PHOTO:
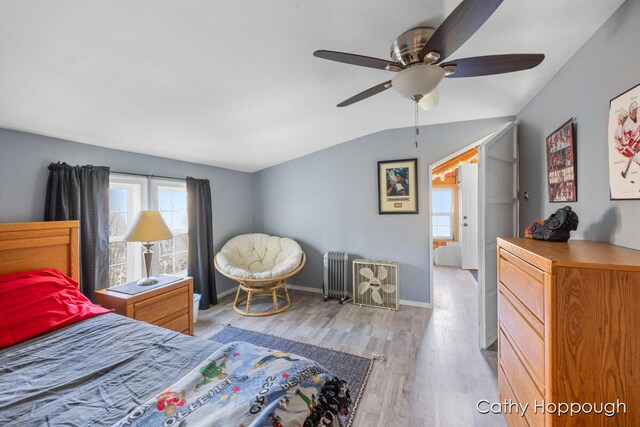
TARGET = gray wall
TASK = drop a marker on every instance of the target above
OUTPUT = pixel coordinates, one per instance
(607, 65)
(328, 201)
(24, 158)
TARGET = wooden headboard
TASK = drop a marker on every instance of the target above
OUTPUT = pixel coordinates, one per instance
(40, 245)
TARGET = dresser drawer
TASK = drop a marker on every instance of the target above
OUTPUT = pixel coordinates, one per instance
(506, 393)
(522, 333)
(178, 322)
(153, 309)
(524, 280)
(517, 375)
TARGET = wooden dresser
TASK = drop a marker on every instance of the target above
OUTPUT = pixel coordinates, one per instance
(569, 323)
(169, 306)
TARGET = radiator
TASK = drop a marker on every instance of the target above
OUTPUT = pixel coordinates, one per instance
(335, 276)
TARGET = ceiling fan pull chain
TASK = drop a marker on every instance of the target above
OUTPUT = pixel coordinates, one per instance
(417, 128)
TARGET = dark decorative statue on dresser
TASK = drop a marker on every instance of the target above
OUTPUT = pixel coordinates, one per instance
(556, 228)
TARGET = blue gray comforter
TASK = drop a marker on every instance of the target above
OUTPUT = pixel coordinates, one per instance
(92, 373)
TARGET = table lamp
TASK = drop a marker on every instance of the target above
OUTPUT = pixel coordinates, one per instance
(148, 227)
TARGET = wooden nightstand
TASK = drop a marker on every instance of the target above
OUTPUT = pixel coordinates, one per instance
(169, 306)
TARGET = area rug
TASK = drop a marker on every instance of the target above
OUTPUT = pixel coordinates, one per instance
(353, 369)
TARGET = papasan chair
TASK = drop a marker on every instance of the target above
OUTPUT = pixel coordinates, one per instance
(260, 264)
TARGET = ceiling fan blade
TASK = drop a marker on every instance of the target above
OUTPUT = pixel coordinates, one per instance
(458, 27)
(366, 94)
(493, 64)
(363, 61)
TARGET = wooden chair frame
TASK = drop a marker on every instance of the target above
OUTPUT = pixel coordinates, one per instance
(261, 288)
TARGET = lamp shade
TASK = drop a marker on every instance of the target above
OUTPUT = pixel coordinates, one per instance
(148, 226)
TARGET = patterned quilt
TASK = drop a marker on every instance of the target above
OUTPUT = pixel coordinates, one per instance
(245, 385)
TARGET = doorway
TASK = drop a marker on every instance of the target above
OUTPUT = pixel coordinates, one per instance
(454, 212)
(473, 199)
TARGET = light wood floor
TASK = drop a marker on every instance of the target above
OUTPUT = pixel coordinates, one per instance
(434, 373)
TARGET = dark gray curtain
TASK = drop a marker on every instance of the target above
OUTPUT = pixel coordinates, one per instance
(200, 265)
(82, 193)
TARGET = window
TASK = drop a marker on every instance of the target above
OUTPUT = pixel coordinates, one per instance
(442, 213)
(170, 198)
(127, 196)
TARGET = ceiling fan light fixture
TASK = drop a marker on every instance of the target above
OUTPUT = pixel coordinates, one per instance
(430, 100)
(418, 80)
(415, 52)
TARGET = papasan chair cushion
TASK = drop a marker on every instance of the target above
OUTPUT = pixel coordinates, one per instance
(259, 256)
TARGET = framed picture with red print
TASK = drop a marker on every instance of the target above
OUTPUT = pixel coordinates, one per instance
(561, 164)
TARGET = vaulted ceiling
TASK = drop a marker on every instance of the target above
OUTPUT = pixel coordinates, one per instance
(234, 83)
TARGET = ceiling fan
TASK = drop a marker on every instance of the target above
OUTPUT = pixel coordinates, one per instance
(417, 55)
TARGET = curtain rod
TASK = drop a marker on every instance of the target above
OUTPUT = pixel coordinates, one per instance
(149, 175)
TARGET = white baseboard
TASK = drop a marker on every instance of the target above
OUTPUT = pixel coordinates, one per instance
(416, 303)
(319, 291)
(305, 288)
(402, 301)
(227, 292)
(295, 287)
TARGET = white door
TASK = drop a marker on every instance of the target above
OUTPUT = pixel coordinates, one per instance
(468, 221)
(498, 217)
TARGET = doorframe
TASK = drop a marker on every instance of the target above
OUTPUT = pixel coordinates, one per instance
(485, 341)
(429, 215)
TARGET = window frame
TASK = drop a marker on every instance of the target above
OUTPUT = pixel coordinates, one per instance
(138, 200)
(143, 195)
(155, 184)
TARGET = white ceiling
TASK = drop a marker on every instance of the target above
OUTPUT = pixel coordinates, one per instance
(234, 83)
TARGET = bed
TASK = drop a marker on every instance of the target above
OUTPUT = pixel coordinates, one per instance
(111, 370)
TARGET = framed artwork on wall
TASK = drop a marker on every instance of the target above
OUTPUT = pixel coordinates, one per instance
(561, 164)
(398, 186)
(623, 146)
